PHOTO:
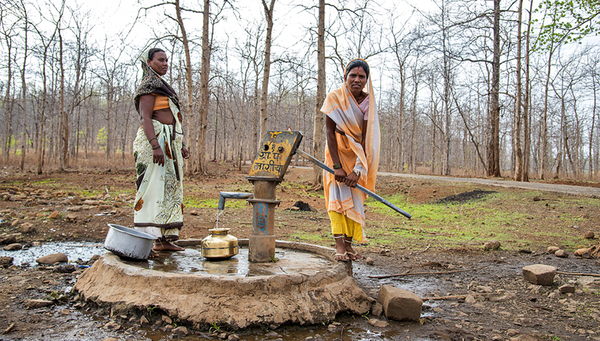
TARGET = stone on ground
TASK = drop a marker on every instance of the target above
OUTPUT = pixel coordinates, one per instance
(491, 245)
(400, 304)
(54, 215)
(27, 228)
(8, 239)
(37, 303)
(376, 309)
(53, 258)
(13, 247)
(5, 262)
(589, 235)
(552, 249)
(583, 253)
(567, 288)
(180, 331)
(539, 274)
(378, 323)
(470, 299)
(561, 254)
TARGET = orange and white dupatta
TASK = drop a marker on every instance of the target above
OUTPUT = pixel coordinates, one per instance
(343, 109)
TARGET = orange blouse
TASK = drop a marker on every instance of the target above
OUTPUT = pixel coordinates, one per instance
(161, 102)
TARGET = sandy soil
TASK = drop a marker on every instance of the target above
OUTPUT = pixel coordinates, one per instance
(505, 306)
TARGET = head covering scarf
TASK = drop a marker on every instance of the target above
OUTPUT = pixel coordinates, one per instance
(343, 109)
(336, 106)
(152, 83)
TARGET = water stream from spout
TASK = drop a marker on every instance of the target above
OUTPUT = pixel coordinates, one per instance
(219, 212)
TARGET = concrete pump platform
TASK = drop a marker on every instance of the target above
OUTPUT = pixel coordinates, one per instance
(304, 286)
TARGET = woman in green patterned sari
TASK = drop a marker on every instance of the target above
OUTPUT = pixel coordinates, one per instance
(159, 152)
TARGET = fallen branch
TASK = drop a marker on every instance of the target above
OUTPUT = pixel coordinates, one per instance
(427, 248)
(7, 330)
(407, 273)
(457, 297)
(577, 274)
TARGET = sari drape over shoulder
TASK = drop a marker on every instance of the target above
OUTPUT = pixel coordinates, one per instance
(343, 109)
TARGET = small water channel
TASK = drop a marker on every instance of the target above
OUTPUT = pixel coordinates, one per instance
(73, 250)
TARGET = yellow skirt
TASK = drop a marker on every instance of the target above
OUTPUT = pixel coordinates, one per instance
(340, 224)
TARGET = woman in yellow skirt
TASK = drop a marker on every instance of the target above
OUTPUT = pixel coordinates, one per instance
(353, 152)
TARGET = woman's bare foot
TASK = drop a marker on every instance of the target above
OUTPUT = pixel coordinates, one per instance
(341, 257)
(340, 251)
(152, 255)
(353, 255)
(166, 246)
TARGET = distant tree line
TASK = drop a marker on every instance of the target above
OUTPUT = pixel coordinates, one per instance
(478, 88)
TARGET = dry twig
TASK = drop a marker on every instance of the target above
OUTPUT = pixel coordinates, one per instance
(577, 274)
(457, 297)
(406, 273)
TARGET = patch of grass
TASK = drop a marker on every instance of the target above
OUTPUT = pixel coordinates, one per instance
(47, 181)
(309, 237)
(503, 216)
(86, 193)
(190, 201)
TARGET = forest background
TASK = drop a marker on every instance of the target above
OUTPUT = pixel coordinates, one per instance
(463, 87)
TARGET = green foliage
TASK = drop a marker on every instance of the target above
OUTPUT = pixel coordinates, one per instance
(102, 137)
(214, 328)
(567, 21)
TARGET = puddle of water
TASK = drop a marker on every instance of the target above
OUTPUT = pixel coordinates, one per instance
(191, 261)
(73, 250)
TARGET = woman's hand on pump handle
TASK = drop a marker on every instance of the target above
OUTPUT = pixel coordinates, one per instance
(349, 180)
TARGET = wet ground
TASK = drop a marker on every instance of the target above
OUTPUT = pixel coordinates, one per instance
(505, 307)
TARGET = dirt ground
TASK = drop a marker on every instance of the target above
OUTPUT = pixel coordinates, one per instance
(472, 294)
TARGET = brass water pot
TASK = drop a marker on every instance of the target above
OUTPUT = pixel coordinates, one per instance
(219, 245)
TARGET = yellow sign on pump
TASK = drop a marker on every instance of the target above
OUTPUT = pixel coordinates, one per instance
(275, 154)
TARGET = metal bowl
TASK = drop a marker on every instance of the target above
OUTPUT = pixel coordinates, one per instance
(127, 242)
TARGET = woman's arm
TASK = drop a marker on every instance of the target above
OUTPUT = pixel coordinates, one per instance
(364, 135)
(146, 109)
(340, 174)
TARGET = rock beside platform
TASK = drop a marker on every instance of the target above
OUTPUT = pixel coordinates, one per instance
(399, 304)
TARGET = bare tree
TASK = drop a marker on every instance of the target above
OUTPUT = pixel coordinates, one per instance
(319, 121)
(494, 144)
(268, 10)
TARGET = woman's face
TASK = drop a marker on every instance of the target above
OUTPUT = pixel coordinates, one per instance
(356, 79)
(159, 63)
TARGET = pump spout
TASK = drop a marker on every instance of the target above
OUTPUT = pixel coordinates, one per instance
(232, 195)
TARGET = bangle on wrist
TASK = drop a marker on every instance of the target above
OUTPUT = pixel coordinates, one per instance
(156, 147)
(337, 165)
(154, 138)
(357, 172)
(183, 144)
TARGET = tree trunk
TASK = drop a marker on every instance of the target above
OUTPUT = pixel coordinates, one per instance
(189, 111)
(518, 174)
(63, 131)
(494, 144)
(319, 121)
(24, 91)
(204, 95)
(265, 83)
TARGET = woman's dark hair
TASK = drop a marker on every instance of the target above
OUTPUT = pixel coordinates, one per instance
(357, 63)
(152, 51)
